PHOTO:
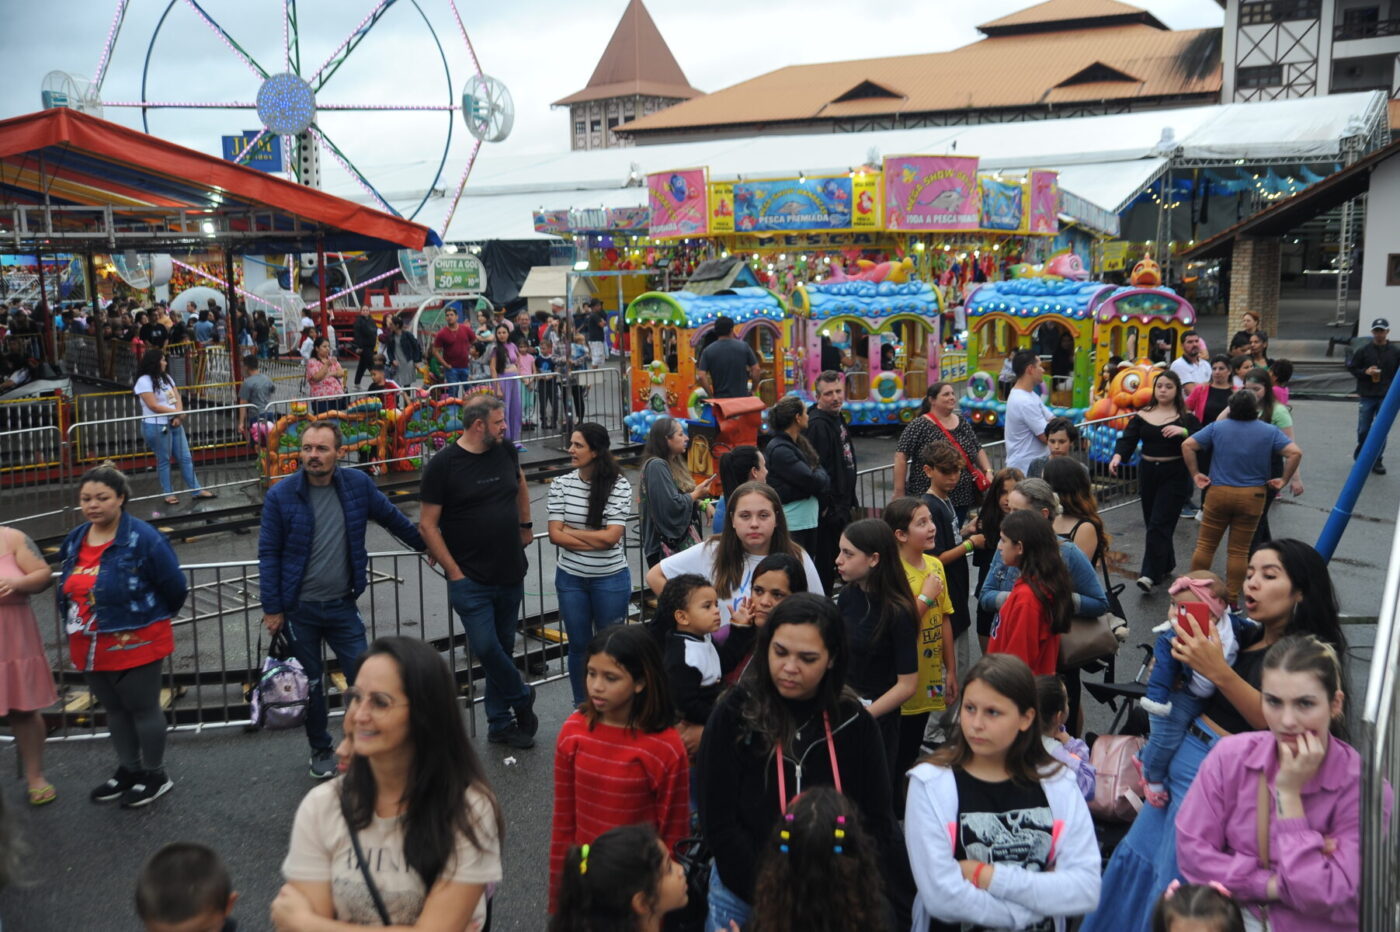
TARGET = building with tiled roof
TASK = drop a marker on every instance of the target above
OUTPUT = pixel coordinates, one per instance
(636, 76)
(1060, 58)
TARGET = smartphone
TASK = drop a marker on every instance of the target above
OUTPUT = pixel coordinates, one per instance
(1193, 617)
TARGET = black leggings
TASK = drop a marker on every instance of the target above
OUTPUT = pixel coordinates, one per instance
(132, 700)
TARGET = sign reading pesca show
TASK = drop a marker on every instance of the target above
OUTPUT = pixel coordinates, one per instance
(266, 156)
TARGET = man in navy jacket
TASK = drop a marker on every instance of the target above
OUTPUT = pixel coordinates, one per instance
(312, 564)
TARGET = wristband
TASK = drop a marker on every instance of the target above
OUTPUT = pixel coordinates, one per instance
(977, 874)
(527, 524)
(925, 599)
(967, 545)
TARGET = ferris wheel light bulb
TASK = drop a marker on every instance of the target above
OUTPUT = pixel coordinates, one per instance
(286, 104)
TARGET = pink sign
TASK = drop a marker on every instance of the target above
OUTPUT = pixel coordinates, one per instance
(931, 192)
(1045, 202)
(551, 221)
(678, 203)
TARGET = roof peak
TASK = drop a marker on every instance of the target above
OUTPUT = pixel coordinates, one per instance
(1061, 15)
(638, 58)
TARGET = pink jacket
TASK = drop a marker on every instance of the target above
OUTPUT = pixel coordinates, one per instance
(1216, 834)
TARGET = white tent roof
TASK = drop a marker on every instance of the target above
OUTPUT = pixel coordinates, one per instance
(1104, 160)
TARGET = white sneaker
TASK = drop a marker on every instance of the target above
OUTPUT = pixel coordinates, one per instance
(1200, 514)
(1145, 583)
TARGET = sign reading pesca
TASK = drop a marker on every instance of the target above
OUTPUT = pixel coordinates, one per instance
(266, 156)
(462, 274)
(841, 202)
(931, 192)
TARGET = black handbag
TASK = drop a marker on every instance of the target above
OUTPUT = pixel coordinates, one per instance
(694, 856)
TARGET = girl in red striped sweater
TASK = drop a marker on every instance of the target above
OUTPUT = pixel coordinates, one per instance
(1041, 603)
(618, 760)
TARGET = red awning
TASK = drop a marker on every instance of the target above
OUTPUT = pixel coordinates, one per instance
(161, 195)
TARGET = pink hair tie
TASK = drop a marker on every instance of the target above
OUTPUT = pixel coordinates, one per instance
(1215, 885)
(1203, 591)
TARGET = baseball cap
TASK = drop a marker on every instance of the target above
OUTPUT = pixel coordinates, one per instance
(556, 302)
(1380, 323)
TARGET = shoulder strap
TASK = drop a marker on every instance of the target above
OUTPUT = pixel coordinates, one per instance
(364, 870)
(1261, 820)
(956, 446)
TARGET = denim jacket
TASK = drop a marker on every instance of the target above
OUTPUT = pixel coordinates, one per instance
(139, 580)
(1089, 598)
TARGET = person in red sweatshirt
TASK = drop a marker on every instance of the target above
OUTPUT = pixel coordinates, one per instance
(1041, 604)
(618, 760)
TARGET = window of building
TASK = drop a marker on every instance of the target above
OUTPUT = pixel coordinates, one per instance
(580, 128)
(1277, 11)
(629, 110)
(612, 123)
(1260, 76)
(596, 126)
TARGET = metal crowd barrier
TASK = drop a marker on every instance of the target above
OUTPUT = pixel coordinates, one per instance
(220, 641)
(1379, 744)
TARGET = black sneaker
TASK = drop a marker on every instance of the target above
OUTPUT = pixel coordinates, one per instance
(525, 718)
(117, 784)
(1379, 468)
(150, 785)
(512, 736)
(323, 763)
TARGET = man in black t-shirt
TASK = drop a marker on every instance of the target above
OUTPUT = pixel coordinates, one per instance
(475, 520)
(727, 364)
(594, 333)
(826, 429)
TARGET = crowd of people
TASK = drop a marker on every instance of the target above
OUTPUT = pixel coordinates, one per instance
(803, 714)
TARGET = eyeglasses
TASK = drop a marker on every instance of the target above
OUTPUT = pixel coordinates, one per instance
(378, 702)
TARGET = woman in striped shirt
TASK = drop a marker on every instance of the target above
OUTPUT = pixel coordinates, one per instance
(587, 517)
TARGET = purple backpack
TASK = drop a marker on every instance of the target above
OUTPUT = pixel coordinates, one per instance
(282, 690)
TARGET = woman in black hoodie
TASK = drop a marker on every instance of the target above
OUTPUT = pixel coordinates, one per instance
(794, 471)
(788, 725)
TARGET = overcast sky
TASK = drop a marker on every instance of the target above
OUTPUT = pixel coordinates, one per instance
(542, 49)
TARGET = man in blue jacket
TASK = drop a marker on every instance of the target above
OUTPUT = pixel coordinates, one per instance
(312, 564)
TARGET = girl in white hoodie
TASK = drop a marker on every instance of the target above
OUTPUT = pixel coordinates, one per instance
(998, 833)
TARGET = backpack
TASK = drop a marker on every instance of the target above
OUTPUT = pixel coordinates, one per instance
(1117, 786)
(282, 691)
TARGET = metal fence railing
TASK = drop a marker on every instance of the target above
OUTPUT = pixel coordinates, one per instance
(1379, 745)
(219, 636)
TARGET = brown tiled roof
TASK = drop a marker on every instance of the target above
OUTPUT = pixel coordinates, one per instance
(1003, 72)
(636, 61)
(1061, 14)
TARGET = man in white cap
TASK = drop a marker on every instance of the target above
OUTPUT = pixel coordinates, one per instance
(1374, 366)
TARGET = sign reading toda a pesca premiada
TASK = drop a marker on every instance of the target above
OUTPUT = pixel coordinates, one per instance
(678, 202)
(463, 274)
(931, 192)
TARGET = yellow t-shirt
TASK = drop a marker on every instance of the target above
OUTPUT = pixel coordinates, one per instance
(928, 694)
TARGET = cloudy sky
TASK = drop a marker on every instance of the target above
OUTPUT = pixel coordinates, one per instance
(542, 49)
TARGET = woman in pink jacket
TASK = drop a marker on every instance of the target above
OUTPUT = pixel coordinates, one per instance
(1297, 785)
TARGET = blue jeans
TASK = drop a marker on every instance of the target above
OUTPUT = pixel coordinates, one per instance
(450, 375)
(589, 604)
(1166, 735)
(724, 905)
(338, 624)
(1365, 414)
(490, 616)
(164, 442)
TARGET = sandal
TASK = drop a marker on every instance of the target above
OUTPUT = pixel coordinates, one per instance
(205, 494)
(172, 500)
(42, 795)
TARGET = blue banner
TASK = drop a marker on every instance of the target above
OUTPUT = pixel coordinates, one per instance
(793, 204)
(1002, 205)
(265, 156)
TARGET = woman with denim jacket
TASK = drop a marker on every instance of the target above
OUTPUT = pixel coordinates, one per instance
(119, 585)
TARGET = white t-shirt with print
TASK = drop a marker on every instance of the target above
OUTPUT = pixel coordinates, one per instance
(321, 852)
(701, 561)
(165, 395)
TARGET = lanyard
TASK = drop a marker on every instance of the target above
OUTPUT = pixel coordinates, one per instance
(830, 750)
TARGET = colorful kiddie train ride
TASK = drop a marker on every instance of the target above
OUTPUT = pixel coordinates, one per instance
(668, 332)
(1141, 322)
(879, 308)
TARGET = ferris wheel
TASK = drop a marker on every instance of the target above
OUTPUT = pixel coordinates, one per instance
(290, 98)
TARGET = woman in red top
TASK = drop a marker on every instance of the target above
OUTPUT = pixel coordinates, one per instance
(618, 760)
(119, 585)
(1040, 605)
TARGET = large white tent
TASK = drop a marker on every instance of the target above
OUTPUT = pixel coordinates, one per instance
(1104, 161)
